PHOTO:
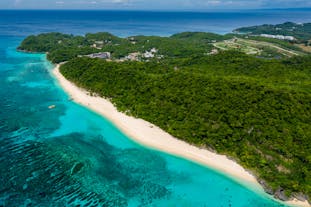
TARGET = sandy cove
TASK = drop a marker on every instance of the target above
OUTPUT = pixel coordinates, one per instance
(153, 137)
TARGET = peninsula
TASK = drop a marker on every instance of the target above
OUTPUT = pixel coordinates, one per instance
(243, 96)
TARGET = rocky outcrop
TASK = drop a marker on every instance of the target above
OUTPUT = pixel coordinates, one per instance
(280, 193)
(300, 197)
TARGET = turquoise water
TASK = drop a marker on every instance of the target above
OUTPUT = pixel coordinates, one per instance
(70, 156)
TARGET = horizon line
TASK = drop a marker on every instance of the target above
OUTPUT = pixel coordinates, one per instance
(156, 10)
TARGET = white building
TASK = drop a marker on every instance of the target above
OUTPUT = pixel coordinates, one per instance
(280, 37)
(151, 53)
(101, 55)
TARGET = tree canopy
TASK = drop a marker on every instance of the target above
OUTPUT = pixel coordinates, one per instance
(253, 108)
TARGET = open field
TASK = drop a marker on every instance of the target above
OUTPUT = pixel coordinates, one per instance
(252, 47)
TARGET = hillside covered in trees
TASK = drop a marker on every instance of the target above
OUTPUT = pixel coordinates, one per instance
(62, 47)
(251, 108)
(302, 32)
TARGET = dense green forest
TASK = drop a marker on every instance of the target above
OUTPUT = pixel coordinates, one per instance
(256, 110)
(62, 47)
(302, 32)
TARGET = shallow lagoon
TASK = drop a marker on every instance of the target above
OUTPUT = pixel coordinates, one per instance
(69, 155)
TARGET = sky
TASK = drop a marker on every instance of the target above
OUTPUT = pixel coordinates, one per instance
(153, 4)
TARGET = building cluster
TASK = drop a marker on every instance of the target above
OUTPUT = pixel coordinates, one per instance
(100, 44)
(213, 52)
(101, 55)
(150, 54)
(280, 37)
(132, 40)
(135, 56)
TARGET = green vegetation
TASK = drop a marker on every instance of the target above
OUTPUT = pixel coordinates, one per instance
(62, 47)
(201, 37)
(302, 32)
(259, 48)
(255, 110)
(280, 43)
(234, 44)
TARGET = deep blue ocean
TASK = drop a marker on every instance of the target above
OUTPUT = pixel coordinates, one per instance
(70, 156)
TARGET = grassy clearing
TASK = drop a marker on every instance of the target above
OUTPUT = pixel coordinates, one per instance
(252, 47)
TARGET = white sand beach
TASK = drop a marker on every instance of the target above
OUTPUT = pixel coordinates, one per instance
(152, 136)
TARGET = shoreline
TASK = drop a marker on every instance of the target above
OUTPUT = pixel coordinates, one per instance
(153, 137)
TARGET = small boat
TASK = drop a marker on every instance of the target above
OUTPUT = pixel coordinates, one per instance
(52, 107)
